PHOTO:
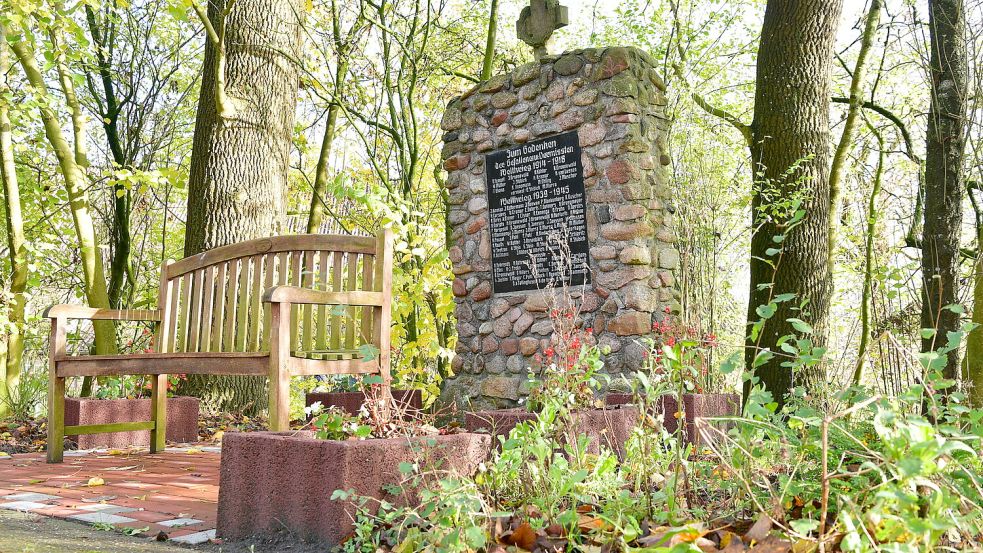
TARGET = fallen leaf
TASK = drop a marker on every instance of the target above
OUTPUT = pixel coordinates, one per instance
(523, 536)
(705, 545)
(771, 544)
(589, 522)
(727, 537)
(193, 450)
(735, 547)
(36, 480)
(688, 534)
(658, 537)
(804, 546)
(759, 530)
(95, 481)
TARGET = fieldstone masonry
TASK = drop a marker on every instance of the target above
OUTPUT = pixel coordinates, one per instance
(615, 100)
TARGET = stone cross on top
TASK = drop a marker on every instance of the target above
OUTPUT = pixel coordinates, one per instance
(537, 22)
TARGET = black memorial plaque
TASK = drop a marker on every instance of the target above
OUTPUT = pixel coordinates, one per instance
(535, 190)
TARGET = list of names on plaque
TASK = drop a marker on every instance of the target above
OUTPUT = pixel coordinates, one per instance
(536, 195)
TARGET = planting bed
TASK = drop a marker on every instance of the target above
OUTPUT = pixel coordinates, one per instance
(283, 481)
(182, 420)
(696, 407)
(351, 402)
(610, 427)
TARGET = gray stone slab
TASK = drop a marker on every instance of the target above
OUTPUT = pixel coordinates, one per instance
(177, 522)
(31, 496)
(196, 538)
(77, 453)
(105, 508)
(99, 517)
(23, 505)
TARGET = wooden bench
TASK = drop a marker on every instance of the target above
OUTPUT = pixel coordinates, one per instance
(275, 307)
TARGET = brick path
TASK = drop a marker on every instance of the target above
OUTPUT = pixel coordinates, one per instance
(175, 492)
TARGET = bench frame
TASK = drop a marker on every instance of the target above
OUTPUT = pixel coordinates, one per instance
(278, 363)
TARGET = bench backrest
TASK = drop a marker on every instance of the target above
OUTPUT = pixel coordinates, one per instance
(212, 302)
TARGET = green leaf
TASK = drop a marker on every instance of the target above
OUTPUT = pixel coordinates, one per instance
(732, 363)
(476, 537)
(800, 326)
(804, 525)
(956, 308)
(766, 311)
(368, 351)
(372, 379)
(927, 333)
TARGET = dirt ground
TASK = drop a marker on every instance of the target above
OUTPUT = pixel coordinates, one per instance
(27, 533)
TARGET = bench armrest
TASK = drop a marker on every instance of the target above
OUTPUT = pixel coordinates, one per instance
(296, 294)
(66, 311)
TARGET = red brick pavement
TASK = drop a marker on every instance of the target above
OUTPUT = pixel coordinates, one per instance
(175, 492)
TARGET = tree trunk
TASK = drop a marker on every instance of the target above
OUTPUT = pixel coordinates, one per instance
(239, 163)
(75, 183)
(343, 47)
(838, 165)
(868, 284)
(120, 267)
(945, 141)
(790, 154)
(974, 343)
(14, 344)
(487, 63)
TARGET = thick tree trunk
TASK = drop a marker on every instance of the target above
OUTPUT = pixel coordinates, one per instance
(791, 130)
(239, 163)
(944, 145)
(14, 343)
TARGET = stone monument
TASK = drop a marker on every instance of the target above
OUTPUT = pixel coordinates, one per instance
(574, 144)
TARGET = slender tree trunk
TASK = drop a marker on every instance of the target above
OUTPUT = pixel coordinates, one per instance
(865, 297)
(791, 129)
(945, 143)
(486, 66)
(75, 183)
(343, 47)
(838, 165)
(974, 343)
(316, 215)
(120, 267)
(14, 345)
(239, 162)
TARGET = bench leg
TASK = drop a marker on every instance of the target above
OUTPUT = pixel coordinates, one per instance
(158, 413)
(56, 417)
(280, 402)
(279, 368)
